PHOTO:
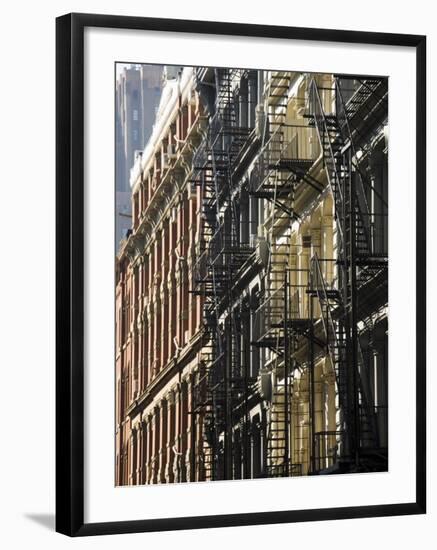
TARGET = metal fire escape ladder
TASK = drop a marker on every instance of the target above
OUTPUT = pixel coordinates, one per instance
(330, 305)
(332, 312)
(370, 97)
(363, 213)
(282, 166)
(278, 454)
(329, 301)
(330, 143)
(275, 185)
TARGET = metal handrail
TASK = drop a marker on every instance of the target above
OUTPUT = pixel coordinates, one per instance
(320, 118)
(316, 263)
(349, 132)
(361, 195)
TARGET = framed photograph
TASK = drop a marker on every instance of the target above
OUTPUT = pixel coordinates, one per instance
(240, 274)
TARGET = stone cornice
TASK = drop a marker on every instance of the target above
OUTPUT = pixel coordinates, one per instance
(171, 370)
(171, 185)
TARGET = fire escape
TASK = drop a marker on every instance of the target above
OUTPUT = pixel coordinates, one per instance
(330, 318)
(362, 262)
(284, 165)
(222, 383)
(299, 309)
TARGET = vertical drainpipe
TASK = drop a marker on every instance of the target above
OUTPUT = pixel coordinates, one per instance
(180, 456)
(286, 379)
(252, 97)
(353, 318)
(228, 410)
(180, 343)
(312, 404)
(260, 85)
(193, 433)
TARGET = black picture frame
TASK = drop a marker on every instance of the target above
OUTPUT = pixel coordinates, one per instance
(70, 273)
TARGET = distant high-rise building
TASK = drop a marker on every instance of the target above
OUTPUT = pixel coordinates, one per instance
(138, 91)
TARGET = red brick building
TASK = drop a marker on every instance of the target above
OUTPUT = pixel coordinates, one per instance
(157, 318)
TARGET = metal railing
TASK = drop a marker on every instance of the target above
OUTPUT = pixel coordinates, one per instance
(269, 317)
(334, 174)
(326, 448)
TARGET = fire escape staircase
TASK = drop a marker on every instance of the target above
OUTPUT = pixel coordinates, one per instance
(332, 312)
(366, 110)
(220, 258)
(275, 334)
(358, 261)
(351, 206)
(280, 169)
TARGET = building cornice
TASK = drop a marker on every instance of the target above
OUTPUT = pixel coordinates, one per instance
(173, 368)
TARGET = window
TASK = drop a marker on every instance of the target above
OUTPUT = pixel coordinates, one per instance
(135, 114)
